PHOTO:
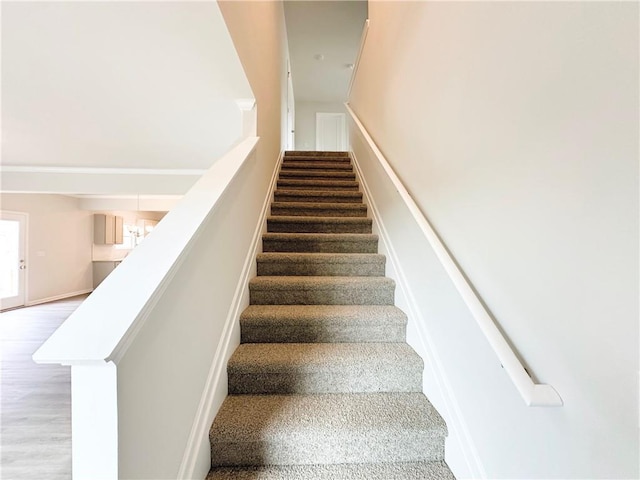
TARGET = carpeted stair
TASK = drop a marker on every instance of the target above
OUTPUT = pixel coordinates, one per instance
(323, 385)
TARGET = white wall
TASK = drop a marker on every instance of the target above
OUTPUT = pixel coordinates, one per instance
(59, 238)
(306, 121)
(514, 126)
(258, 33)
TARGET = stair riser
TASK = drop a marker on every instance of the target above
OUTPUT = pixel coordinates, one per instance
(320, 269)
(320, 175)
(361, 295)
(396, 379)
(314, 154)
(319, 166)
(318, 185)
(349, 210)
(370, 447)
(335, 162)
(275, 226)
(310, 197)
(360, 471)
(320, 246)
(321, 333)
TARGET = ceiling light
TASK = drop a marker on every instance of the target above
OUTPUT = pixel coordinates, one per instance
(318, 56)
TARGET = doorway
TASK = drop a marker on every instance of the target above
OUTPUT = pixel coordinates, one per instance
(13, 262)
(330, 132)
(291, 116)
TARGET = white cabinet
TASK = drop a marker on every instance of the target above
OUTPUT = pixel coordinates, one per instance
(107, 229)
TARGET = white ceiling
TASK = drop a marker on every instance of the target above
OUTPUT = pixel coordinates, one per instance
(329, 28)
(140, 97)
(120, 85)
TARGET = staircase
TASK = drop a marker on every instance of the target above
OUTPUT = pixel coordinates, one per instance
(323, 385)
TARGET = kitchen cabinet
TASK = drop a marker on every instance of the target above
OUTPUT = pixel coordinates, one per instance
(107, 229)
(118, 236)
(101, 269)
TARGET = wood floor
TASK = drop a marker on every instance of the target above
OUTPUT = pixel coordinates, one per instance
(35, 419)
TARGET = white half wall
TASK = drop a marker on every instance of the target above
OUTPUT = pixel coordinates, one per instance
(514, 127)
(59, 239)
(306, 121)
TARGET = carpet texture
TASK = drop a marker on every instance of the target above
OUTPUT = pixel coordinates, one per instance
(324, 385)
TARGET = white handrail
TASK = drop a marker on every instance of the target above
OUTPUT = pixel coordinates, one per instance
(534, 394)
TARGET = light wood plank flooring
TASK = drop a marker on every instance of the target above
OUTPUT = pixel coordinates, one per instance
(35, 419)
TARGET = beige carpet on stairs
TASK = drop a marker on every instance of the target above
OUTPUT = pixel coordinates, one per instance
(324, 385)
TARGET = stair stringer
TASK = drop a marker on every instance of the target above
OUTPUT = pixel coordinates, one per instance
(459, 438)
(216, 386)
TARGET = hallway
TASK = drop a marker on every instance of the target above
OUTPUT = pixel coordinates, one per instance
(36, 399)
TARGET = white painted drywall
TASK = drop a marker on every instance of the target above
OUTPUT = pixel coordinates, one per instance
(514, 126)
(118, 84)
(60, 235)
(259, 36)
(306, 121)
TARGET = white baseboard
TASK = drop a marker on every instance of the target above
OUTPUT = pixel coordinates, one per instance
(206, 409)
(58, 297)
(452, 413)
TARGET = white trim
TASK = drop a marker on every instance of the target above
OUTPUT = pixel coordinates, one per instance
(202, 421)
(452, 413)
(58, 297)
(104, 170)
(533, 394)
(356, 65)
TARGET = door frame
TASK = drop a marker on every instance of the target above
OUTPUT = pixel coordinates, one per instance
(291, 111)
(21, 299)
(343, 123)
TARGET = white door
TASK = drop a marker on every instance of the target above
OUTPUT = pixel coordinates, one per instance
(13, 263)
(291, 112)
(330, 132)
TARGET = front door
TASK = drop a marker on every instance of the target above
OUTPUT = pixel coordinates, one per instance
(13, 262)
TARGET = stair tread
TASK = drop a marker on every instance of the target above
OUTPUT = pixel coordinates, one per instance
(314, 219)
(252, 418)
(324, 174)
(285, 282)
(322, 324)
(320, 206)
(318, 224)
(319, 193)
(368, 471)
(317, 183)
(327, 237)
(264, 358)
(313, 314)
(317, 165)
(305, 257)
